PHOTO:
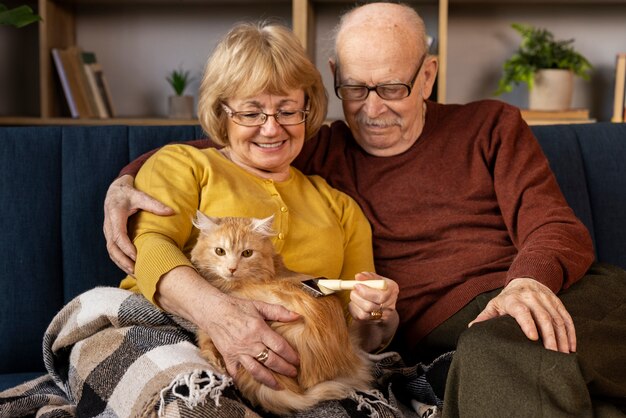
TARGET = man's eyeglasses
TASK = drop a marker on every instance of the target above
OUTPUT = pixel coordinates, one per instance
(251, 118)
(386, 91)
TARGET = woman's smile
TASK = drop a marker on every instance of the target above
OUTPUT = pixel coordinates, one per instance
(270, 145)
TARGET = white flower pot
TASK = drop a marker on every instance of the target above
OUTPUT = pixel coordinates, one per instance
(552, 90)
(180, 107)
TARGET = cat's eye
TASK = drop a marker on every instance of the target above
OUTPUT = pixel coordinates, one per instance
(220, 251)
(246, 253)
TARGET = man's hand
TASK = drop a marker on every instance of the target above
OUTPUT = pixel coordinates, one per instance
(122, 201)
(537, 310)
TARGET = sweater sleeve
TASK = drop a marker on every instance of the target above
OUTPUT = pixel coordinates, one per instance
(554, 247)
(358, 250)
(171, 175)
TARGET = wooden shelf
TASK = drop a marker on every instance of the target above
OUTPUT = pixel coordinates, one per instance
(58, 30)
(532, 122)
(25, 121)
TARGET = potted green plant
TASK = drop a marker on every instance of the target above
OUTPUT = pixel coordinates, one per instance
(180, 105)
(19, 16)
(543, 63)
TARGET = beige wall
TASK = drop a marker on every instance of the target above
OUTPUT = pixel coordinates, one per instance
(138, 45)
(137, 48)
(480, 39)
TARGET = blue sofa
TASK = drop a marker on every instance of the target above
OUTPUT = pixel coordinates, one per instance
(55, 178)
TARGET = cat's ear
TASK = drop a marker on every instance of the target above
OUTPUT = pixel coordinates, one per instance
(263, 226)
(203, 222)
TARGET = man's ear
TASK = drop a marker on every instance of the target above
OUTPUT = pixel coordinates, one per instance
(331, 64)
(430, 74)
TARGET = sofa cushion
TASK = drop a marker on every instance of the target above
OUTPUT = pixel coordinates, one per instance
(603, 148)
(561, 147)
(91, 158)
(588, 161)
(52, 193)
(9, 380)
(31, 272)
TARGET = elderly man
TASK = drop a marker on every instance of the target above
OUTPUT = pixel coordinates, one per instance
(469, 220)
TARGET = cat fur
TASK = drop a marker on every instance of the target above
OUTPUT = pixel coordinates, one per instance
(331, 363)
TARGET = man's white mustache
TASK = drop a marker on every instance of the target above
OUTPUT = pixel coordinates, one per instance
(379, 123)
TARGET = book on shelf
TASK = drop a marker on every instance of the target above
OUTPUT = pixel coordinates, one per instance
(103, 88)
(75, 54)
(83, 83)
(619, 104)
(556, 117)
(69, 82)
(98, 100)
(555, 114)
(531, 122)
(98, 84)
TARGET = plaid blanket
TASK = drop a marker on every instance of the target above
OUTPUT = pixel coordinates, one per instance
(111, 353)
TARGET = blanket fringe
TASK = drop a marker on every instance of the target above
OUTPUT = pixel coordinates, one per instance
(363, 402)
(193, 388)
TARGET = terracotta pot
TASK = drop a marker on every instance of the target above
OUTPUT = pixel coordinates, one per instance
(552, 90)
(180, 107)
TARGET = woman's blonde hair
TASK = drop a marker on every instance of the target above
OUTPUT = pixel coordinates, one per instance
(254, 59)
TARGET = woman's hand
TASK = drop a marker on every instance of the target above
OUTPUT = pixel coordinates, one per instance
(241, 335)
(374, 311)
(123, 200)
(236, 326)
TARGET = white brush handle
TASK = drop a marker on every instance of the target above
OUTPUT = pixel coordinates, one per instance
(349, 284)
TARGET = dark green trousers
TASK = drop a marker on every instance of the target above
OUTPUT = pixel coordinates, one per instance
(498, 372)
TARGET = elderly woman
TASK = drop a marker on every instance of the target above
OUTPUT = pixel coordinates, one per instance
(260, 98)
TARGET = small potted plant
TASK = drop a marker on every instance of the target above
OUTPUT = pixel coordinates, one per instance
(547, 66)
(180, 105)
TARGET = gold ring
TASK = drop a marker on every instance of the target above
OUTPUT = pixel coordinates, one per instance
(263, 356)
(376, 315)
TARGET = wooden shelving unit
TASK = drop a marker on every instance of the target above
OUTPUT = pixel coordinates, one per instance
(58, 30)
(442, 51)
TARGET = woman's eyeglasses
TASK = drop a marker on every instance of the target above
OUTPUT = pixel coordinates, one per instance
(251, 118)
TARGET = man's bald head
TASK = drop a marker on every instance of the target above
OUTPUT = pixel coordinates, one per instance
(381, 25)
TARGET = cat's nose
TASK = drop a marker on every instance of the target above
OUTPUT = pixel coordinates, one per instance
(232, 270)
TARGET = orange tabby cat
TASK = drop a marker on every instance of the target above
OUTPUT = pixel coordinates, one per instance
(237, 256)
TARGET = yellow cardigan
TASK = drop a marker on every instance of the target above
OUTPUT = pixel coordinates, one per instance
(321, 231)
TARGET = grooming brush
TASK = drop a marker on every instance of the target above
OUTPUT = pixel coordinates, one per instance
(321, 286)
